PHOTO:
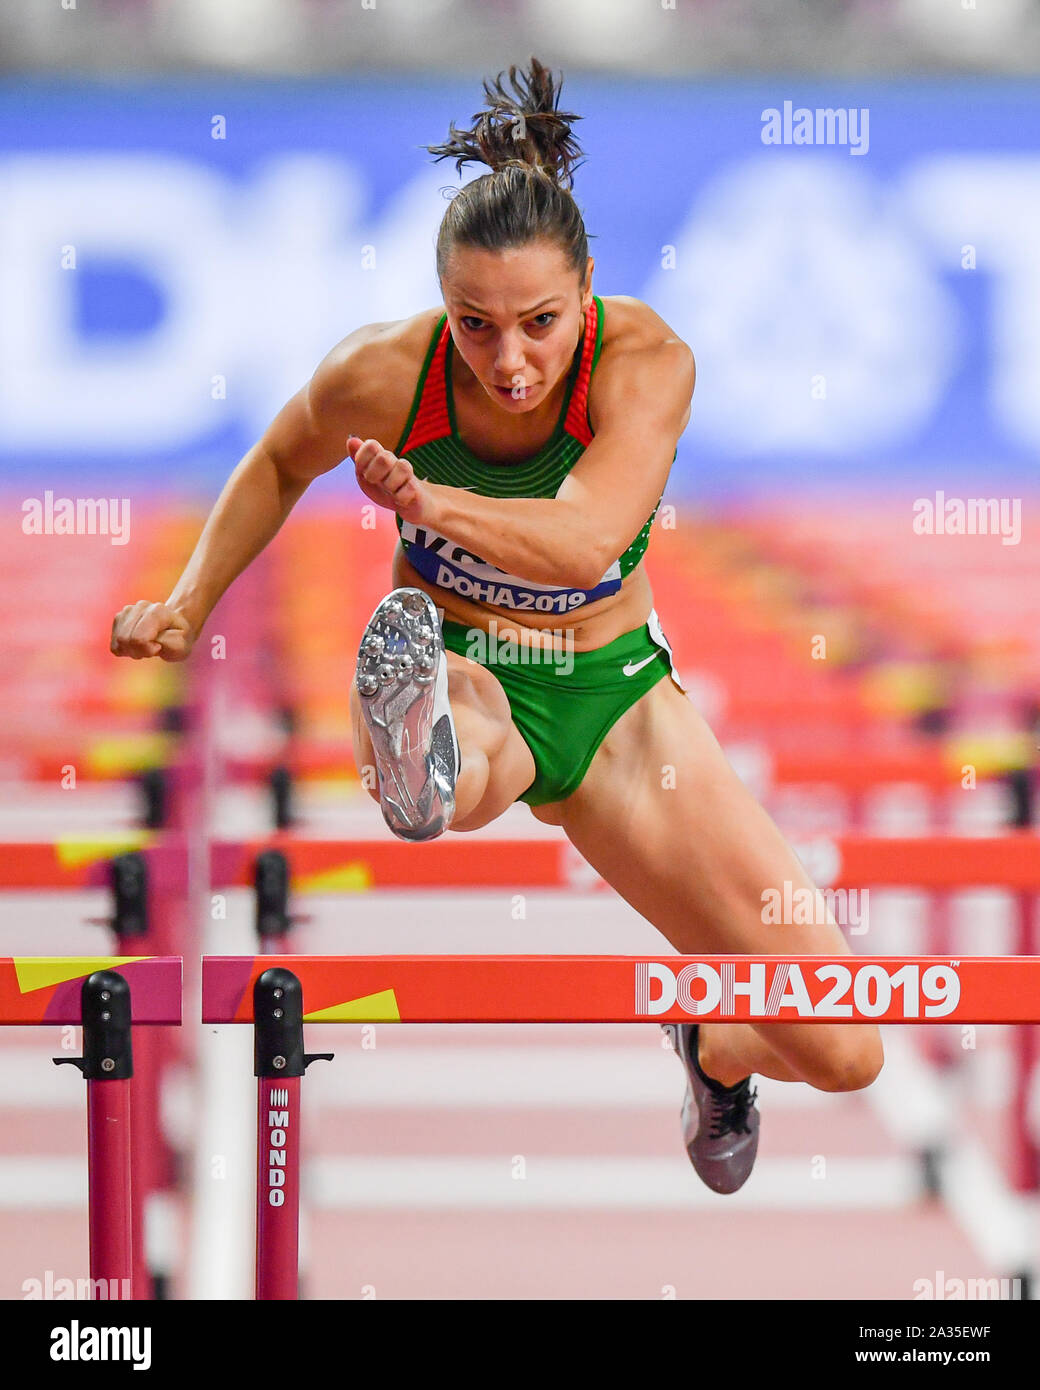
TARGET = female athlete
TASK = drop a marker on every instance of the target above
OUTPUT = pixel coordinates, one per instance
(523, 434)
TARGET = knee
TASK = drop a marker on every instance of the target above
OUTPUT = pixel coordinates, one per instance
(850, 1068)
(469, 683)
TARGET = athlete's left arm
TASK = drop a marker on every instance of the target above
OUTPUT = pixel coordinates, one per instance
(641, 407)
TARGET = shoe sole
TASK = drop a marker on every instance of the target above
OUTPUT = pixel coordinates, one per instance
(402, 684)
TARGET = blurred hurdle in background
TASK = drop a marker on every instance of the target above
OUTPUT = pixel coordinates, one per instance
(837, 682)
(98, 770)
(109, 998)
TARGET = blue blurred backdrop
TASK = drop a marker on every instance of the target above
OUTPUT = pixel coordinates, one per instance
(176, 258)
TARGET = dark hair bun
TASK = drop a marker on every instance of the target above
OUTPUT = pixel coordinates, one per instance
(523, 129)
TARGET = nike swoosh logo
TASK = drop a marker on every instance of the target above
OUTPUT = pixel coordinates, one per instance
(629, 670)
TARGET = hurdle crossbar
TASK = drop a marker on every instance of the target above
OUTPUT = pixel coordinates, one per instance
(46, 989)
(1010, 861)
(637, 989)
(83, 861)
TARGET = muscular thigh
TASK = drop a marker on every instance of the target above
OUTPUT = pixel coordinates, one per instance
(662, 816)
(479, 705)
(485, 728)
(665, 820)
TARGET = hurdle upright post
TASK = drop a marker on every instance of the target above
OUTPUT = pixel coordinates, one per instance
(279, 1063)
(130, 925)
(273, 921)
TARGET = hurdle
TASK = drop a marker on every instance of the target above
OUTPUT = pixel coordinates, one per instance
(855, 773)
(939, 863)
(108, 997)
(145, 872)
(277, 995)
(1010, 861)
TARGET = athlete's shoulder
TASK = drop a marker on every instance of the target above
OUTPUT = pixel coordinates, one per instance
(642, 358)
(371, 374)
(630, 325)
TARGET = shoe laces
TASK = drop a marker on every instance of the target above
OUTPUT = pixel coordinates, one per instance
(729, 1111)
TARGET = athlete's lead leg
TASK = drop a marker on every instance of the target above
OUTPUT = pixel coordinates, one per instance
(435, 727)
(402, 682)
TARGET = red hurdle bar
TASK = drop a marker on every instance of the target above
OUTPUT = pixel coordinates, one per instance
(1010, 861)
(83, 861)
(89, 992)
(47, 989)
(636, 989)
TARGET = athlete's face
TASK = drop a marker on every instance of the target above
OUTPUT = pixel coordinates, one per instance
(516, 317)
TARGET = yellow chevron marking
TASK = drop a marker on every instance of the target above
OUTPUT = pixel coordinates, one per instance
(131, 753)
(76, 850)
(355, 877)
(370, 1008)
(992, 753)
(38, 972)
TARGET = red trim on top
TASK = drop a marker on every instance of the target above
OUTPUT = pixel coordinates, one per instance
(431, 419)
(577, 421)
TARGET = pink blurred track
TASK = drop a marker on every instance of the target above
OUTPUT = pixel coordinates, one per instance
(409, 1181)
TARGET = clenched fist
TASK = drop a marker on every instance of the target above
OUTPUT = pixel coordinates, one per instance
(151, 629)
(389, 481)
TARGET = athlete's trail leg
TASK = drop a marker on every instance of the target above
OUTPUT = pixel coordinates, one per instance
(664, 818)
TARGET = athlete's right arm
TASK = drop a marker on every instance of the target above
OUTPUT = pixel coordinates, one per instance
(307, 438)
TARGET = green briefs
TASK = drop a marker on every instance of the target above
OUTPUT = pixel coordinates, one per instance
(565, 703)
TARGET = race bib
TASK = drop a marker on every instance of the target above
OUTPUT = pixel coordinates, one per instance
(451, 566)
